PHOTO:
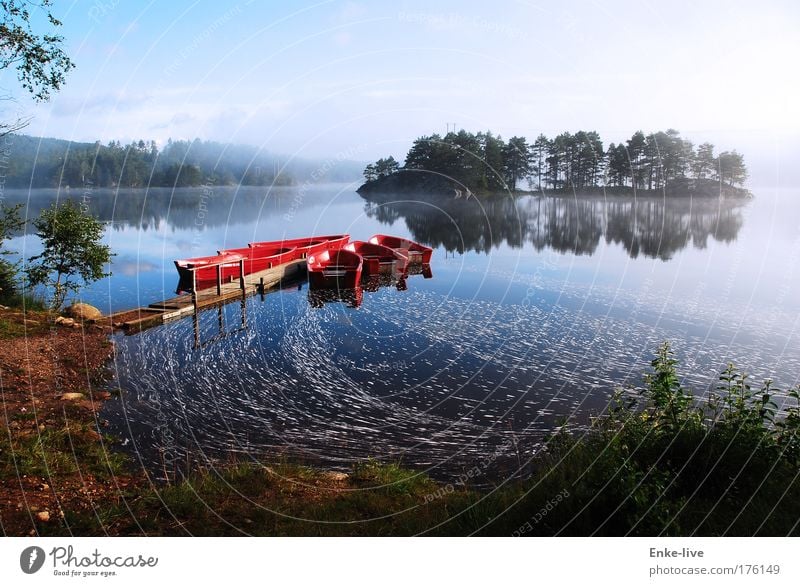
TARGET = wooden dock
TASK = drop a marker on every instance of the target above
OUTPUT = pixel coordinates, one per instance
(190, 303)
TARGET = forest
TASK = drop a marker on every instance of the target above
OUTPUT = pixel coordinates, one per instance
(32, 162)
(485, 163)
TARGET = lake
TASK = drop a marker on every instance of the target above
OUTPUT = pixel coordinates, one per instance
(536, 310)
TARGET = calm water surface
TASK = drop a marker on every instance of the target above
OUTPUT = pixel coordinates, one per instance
(537, 309)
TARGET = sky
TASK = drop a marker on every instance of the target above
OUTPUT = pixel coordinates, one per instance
(360, 80)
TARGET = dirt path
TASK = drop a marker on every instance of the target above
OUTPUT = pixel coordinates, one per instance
(52, 451)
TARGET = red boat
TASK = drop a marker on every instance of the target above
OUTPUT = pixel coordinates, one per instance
(205, 267)
(305, 247)
(261, 258)
(416, 252)
(334, 268)
(377, 258)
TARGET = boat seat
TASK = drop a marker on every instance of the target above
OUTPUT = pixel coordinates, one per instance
(335, 271)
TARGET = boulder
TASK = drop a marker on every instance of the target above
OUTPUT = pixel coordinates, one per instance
(72, 396)
(83, 311)
(67, 322)
(337, 476)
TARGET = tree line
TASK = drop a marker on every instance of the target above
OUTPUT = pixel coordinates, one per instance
(47, 162)
(484, 162)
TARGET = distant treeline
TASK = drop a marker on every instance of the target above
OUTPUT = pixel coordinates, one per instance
(47, 162)
(483, 162)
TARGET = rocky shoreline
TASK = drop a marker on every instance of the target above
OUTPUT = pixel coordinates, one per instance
(52, 370)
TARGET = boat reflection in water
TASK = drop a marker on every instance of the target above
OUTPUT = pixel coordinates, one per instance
(317, 298)
(354, 297)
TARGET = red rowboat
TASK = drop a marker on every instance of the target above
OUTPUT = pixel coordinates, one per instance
(334, 268)
(205, 267)
(305, 247)
(416, 252)
(377, 258)
(261, 258)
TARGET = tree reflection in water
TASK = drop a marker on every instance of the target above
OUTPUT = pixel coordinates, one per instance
(651, 227)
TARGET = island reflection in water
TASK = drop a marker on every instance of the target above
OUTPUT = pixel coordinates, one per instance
(651, 227)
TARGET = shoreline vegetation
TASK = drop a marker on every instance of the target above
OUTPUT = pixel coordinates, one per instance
(658, 461)
(464, 164)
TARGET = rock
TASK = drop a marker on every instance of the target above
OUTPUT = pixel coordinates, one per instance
(72, 396)
(67, 322)
(83, 311)
(337, 476)
(101, 395)
(43, 516)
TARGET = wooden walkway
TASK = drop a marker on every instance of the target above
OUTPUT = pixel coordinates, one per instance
(187, 304)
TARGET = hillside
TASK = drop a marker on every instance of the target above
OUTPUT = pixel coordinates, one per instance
(34, 162)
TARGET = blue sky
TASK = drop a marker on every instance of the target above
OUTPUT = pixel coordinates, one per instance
(363, 79)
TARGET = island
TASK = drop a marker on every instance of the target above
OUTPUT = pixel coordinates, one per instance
(464, 164)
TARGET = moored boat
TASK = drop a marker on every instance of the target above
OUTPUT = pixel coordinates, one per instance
(305, 247)
(416, 252)
(261, 258)
(334, 268)
(205, 267)
(378, 258)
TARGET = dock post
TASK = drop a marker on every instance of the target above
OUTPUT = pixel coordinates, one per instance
(194, 288)
(241, 274)
(196, 324)
(219, 280)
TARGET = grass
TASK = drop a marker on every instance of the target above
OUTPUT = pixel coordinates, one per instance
(10, 329)
(58, 452)
(22, 323)
(27, 301)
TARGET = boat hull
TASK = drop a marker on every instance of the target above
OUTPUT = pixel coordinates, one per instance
(416, 252)
(334, 269)
(378, 259)
(205, 268)
(262, 258)
(305, 247)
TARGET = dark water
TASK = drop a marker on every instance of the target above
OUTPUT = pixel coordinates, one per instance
(537, 309)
